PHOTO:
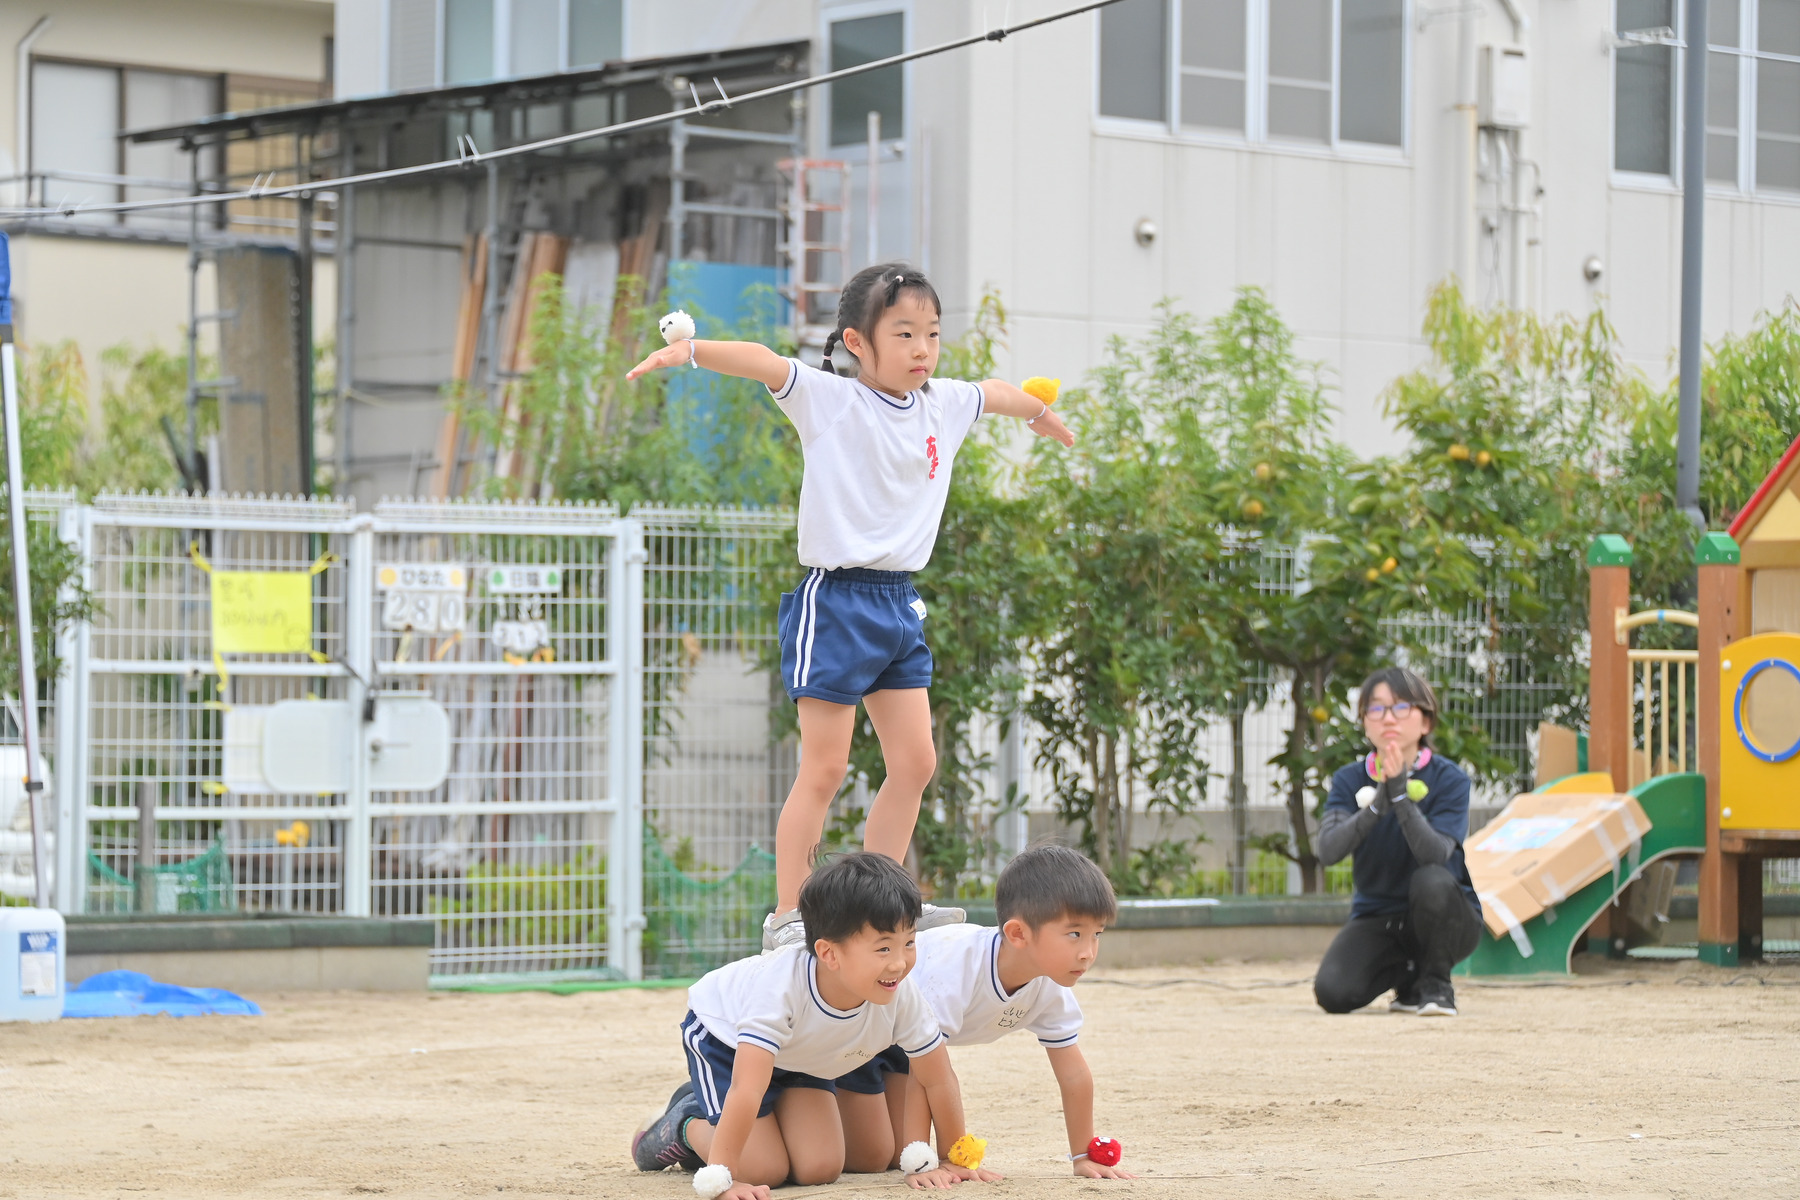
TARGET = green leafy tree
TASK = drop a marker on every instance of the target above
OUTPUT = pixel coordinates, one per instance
(1122, 617)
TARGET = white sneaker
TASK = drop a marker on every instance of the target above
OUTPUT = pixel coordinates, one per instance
(931, 916)
(781, 930)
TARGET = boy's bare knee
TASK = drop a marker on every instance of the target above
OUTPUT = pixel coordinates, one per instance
(812, 1174)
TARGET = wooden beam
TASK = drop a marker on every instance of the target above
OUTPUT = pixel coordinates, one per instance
(1609, 678)
(1716, 560)
(462, 358)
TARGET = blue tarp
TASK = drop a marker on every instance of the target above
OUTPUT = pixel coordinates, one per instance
(134, 994)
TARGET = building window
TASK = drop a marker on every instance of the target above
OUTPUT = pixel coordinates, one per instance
(853, 43)
(433, 42)
(78, 111)
(596, 32)
(469, 41)
(1318, 72)
(1134, 55)
(1752, 91)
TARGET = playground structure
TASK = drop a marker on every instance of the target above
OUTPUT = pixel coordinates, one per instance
(1725, 789)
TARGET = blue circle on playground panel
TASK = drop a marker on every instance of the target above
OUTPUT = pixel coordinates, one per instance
(1737, 711)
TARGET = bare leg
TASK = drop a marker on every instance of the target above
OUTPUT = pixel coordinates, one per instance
(868, 1132)
(765, 1157)
(825, 730)
(813, 1132)
(902, 720)
(904, 1098)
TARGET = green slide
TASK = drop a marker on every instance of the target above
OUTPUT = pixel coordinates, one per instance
(1676, 806)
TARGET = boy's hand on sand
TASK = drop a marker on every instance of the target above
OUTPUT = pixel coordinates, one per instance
(941, 1177)
(745, 1191)
(1088, 1169)
(1050, 425)
(669, 356)
(978, 1175)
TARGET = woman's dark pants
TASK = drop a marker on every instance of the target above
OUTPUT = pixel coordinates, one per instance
(1372, 955)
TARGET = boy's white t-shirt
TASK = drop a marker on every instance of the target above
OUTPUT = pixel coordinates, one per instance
(958, 970)
(877, 469)
(773, 1001)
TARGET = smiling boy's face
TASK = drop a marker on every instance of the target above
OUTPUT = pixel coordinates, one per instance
(870, 964)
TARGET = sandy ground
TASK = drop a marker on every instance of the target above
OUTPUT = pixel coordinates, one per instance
(1663, 1079)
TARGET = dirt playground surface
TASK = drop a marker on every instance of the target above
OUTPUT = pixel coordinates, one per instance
(1652, 1079)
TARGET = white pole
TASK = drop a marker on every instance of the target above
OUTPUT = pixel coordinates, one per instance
(874, 217)
(21, 559)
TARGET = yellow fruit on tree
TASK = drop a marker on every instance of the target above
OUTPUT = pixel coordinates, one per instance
(1040, 388)
(1459, 452)
(1252, 509)
(1264, 470)
(1389, 564)
(1483, 459)
(1371, 575)
(1321, 714)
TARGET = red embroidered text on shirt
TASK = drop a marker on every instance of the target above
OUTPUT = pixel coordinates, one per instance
(931, 456)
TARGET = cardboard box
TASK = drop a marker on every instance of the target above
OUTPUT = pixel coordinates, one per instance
(1543, 848)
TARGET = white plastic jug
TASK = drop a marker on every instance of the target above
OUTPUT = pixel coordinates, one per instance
(33, 945)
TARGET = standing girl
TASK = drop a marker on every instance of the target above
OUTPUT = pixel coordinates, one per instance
(878, 449)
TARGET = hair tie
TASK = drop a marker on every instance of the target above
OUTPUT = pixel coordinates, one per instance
(830, 341)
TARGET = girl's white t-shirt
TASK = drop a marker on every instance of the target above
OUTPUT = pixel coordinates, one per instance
(877, 469)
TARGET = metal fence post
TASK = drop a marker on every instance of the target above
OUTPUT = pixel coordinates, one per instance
(359, 655)
(70, 742)
(625, 749)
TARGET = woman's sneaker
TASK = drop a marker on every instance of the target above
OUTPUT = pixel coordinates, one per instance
(1436, 998)
(662, 1145)
(1406, 999)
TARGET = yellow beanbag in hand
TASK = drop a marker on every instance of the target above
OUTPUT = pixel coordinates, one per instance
(1042, 389)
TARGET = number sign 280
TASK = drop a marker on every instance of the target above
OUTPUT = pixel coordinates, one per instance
(423, 597)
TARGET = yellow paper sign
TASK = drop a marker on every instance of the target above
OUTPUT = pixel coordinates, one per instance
(262, 612)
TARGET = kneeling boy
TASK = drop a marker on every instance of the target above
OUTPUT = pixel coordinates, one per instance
(766, 1036)
(1052, 903)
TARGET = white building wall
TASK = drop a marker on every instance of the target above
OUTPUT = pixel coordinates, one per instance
(1008, 179)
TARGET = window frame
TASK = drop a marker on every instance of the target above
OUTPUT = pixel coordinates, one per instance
(218, 81)
(1256, 101)
(1749, 58)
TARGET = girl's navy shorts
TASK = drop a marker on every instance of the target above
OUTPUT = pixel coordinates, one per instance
(852, 631)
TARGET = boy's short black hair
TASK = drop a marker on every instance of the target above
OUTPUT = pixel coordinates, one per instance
(1051, 880)
(856, 891)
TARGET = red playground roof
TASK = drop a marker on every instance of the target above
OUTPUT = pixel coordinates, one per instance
(1782, 470)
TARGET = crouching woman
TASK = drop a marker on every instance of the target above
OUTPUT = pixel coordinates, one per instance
(1403, 812)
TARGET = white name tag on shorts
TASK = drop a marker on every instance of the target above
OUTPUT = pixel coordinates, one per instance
(918, 606)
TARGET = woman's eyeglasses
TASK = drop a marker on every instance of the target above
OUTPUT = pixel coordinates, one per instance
(1399, 708)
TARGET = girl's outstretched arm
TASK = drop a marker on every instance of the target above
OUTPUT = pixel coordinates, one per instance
(746, 360)
(1006, 400)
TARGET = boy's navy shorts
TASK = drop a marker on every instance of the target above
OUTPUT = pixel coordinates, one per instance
(870, 1079)
(852, 631)
(709, 1066)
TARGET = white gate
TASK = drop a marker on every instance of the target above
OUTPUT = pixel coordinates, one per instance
(528, 857)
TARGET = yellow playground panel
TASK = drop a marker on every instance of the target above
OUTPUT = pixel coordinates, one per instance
(1759, 733)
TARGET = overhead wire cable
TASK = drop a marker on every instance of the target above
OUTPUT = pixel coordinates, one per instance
(468, 156)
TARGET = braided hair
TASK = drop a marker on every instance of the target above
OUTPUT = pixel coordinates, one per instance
(871, 292)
